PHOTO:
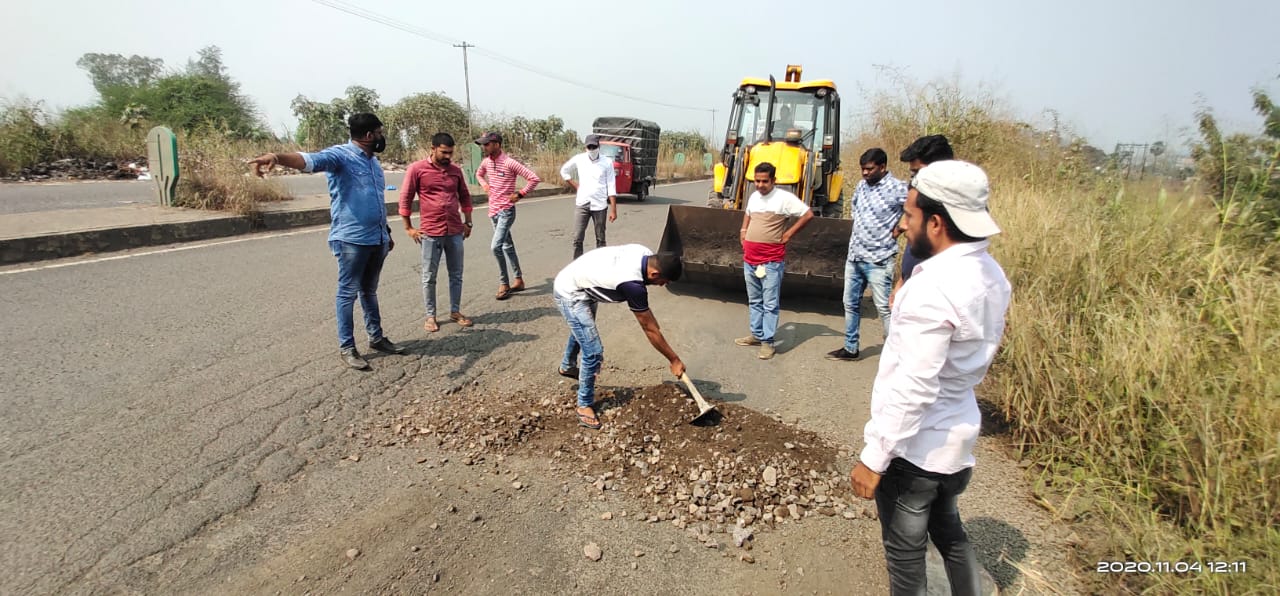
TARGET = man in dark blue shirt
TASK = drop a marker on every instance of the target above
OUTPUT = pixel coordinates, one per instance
(358, 235)
(920, 153)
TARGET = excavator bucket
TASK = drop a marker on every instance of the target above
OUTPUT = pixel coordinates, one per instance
(707, 240)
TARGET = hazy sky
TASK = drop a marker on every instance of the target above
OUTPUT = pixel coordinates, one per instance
(1117, 70)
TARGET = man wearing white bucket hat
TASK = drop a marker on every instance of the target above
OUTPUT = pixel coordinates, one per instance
(947, 324)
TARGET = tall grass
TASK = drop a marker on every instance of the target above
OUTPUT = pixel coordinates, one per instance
(213, 174)
(1140, 368)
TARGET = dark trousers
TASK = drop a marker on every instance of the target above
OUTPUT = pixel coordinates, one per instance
(581, 215)
(916, 506)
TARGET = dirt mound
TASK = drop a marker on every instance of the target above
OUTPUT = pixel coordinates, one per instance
(742, 468)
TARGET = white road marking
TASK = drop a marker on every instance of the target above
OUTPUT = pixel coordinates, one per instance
(248, 238)
(144, 253)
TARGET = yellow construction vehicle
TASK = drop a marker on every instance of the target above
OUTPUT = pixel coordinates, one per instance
(794, 125)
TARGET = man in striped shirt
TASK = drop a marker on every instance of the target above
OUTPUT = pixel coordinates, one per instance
(497, 175)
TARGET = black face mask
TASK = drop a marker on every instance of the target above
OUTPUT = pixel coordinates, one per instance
(379, 144)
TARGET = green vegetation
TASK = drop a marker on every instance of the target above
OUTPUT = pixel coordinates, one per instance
(1140, 372)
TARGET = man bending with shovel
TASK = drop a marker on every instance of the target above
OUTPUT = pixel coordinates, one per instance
(609, 274)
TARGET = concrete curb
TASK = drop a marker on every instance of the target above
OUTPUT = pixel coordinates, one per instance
(70, 244)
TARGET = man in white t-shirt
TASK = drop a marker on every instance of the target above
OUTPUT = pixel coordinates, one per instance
(597, 189)
(764, 239)
(609, 274)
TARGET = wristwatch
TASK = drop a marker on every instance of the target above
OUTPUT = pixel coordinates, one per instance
(520, 194)
(467, 223)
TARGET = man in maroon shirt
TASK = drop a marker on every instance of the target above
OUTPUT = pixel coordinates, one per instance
(444, 203)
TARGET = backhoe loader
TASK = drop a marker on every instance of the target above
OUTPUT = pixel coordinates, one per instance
(794, 125)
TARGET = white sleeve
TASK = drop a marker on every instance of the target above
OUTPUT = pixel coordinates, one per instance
(566, 171)
(792, 206)
(900, 399)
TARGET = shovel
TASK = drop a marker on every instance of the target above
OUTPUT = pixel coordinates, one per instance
(704, 407)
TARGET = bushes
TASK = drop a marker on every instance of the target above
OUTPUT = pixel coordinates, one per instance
(1139, 369)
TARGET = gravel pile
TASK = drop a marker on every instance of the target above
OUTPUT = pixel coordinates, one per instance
(740, 471)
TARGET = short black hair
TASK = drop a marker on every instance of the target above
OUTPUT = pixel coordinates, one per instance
(928, 149)
(670, 267)
(932, 207)
(875, 156)
(442, 138)
(362, 124)
(767, 168)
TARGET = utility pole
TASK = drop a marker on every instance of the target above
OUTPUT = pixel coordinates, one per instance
(466, 73)
(713, 129)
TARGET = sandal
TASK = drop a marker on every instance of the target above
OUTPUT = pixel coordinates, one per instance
(460, 320)
(503, 292)
(518, 286)
(589, 421)
(431, 326)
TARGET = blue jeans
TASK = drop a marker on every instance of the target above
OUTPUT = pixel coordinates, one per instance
(451, 248)
(764, 297)
(504, 246)
(916, 506)
(857, 275)
(584, 339)
(359, 267)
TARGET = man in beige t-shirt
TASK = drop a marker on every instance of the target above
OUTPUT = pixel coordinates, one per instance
(764, 237)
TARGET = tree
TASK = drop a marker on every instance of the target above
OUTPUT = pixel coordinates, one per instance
(323, 124)
(108, 71)
(136, 90)
(412, 121)
(691, 142)
(1239, 171)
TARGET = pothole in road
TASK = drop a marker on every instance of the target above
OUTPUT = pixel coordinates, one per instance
(747, 471)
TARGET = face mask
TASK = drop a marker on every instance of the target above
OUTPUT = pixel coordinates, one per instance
(593, 153)
(379, 145)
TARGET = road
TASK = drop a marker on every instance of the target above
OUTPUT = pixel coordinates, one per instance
(177, 419)
(75, 194)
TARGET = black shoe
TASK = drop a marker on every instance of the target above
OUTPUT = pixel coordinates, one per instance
(572, 373)
(385, 345)
(352, 358)
(842, 354)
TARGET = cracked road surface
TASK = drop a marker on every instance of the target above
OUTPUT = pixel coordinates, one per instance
(179, 422)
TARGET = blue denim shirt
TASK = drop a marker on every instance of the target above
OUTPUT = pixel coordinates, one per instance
(357, 206)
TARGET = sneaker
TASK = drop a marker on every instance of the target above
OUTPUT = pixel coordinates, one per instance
(747, 341)
(352, 358)
(386, 346)
(766, 351)
(842, 355)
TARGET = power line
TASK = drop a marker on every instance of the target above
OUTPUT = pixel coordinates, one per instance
(411, 29)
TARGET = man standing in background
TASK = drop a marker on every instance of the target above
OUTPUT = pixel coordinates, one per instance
(597, 191)
(876, 211)
(764, 238)
(443, 202)
(497, 175)
(920, 153)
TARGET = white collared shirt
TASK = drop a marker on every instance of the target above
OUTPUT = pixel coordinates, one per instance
(596, 179)
(945, 330)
